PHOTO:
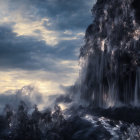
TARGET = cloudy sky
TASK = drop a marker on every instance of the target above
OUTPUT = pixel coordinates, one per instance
(40, 41)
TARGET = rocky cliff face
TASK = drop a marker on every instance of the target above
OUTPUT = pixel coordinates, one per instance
(110, 58)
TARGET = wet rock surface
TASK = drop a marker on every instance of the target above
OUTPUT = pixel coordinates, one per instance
(126, 113)
(78, 124)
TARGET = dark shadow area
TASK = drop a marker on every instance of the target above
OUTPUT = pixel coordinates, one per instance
(136, 6)
(128, 114)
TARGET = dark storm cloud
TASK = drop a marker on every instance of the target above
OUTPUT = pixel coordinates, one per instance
(66, 14)
(63, 14)
(26, 52)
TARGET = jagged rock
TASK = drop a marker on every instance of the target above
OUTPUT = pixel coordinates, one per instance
(110, 72)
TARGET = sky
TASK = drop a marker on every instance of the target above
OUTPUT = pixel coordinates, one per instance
(40, 42)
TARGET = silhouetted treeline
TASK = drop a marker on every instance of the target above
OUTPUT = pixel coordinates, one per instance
(24, 124)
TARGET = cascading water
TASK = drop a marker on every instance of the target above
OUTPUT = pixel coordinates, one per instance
(110, 72)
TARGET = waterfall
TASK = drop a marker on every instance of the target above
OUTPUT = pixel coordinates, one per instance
(111, 55)
(137, 85)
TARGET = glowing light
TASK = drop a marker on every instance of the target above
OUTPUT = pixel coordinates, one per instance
(136, 34)
(63, 106)
(103, 45)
